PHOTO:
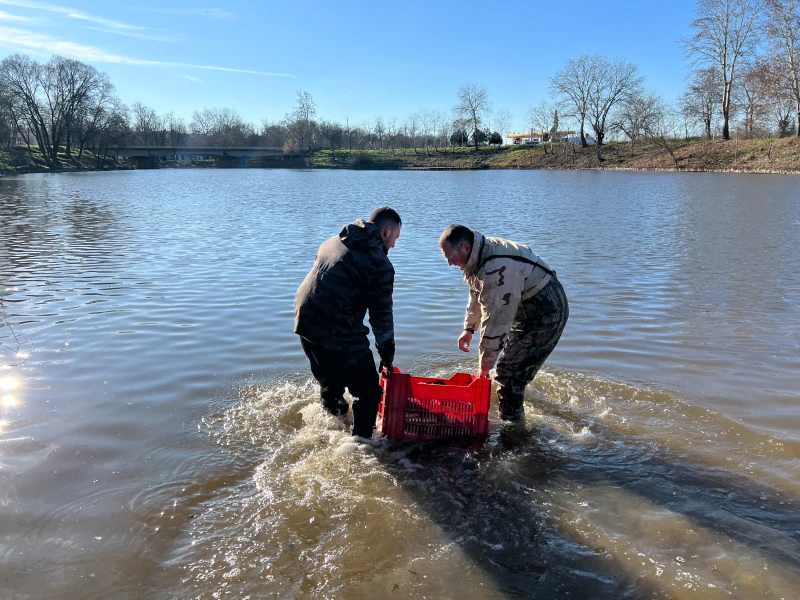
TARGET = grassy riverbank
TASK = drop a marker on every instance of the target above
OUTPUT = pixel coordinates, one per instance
(19, 159)
(760, 156)
(747, 156)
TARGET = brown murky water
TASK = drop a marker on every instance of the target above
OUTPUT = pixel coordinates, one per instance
(159, 436)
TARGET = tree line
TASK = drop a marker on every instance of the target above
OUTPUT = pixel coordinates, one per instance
(744, 80)
(65, 107)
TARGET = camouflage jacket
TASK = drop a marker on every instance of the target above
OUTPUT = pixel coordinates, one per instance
(500, 274)
(351, 275)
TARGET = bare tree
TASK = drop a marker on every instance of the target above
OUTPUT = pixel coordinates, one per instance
(46, 98)
(7, 133)
(636, 113)
(751, 97)
(503, 120)
(663, 128)
(413, 125)
(723, 33)
(425, 124)
(202, 123)
(437, 122)
(541, 118)
(334, 133)
(226, 127)
(573, 85)
(176, 129)
(379, 128)
(273, 133)
(79, 83)
(94, 114)
(147, 125)
(772, 88)
(304, 112)
(783, 27)
(111, 130)
(358, 135)
(473, 105)
(612, 83)
(702, 99)
(445, 129)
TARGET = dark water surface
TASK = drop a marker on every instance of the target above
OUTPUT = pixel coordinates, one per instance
(159, 436)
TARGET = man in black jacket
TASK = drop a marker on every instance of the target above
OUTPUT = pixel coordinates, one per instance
(352, 274)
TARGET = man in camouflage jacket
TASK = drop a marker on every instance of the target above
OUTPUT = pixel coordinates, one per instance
(518, 303)
(351, 275)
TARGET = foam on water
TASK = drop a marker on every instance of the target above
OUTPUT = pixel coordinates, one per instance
(321, 512)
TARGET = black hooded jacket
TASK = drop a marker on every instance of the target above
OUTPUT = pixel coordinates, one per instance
(352, 274)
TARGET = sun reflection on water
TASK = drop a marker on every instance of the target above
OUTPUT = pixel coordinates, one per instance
(8, 383)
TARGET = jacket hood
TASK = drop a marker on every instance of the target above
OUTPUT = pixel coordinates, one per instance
(362, 234)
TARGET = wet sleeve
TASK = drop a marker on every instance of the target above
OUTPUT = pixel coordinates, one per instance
(381, 318)
(500, 295)
(472, 319)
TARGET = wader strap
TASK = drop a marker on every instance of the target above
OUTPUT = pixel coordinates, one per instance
(520, 259)
(480, 251)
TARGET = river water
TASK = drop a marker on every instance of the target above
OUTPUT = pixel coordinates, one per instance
(160, 438)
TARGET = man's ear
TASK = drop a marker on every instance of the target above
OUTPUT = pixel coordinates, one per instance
(386, 232)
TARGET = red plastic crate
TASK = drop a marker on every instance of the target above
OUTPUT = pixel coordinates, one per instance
(427, 408)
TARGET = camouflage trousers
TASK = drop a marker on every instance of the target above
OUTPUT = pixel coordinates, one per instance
(536, 329)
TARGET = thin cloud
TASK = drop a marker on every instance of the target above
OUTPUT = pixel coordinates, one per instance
(74, 14)
(4, 16)
(190, 78)
(38, 42)
(211, 13)
(154, 37)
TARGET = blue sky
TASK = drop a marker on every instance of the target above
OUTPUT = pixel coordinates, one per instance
(357, 59)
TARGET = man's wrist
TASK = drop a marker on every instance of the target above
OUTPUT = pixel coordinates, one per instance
(469, 330)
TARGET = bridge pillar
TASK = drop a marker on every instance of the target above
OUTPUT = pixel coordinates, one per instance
(232, 162)
(144, 162)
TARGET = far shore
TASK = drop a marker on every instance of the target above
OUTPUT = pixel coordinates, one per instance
(762, 156)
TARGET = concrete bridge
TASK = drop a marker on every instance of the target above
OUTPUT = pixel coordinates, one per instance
(150, 157)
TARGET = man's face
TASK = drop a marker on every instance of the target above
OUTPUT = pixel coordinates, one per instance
(389, 235)
(456, 255)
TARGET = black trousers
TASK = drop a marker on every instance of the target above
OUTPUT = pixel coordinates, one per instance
(335, 370)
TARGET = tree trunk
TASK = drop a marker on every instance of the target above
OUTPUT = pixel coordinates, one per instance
(674, 159)
(726, 112)
(583, 136)
(797, 119)
(726, 135)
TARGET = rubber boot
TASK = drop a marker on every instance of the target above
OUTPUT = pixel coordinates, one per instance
(338, 407)
(511, 404)
(365, 410)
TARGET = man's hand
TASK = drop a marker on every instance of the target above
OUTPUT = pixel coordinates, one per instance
(384, 365)
(483, 373)
(463, 341)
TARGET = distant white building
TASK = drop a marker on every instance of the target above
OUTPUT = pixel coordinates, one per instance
(537, 137)
(576, 139)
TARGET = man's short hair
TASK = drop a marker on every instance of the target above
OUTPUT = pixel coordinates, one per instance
(385, 215)
(456, 234)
